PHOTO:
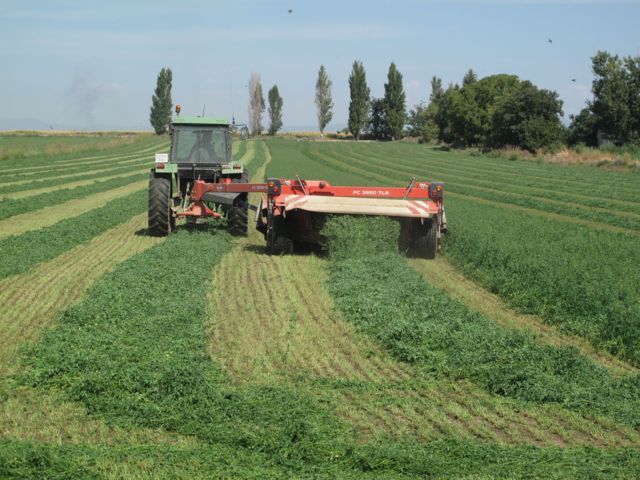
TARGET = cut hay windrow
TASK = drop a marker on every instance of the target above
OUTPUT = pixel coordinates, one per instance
(131, 174)
(82, 174)
(30, 301)
(171, 384)
(21, 206)
(440, 335)
(50, 215)
(623, 220)
(46, 163)
(546, 273)
(441, 274)
(575, 177)
(544, 189)
(17, 254)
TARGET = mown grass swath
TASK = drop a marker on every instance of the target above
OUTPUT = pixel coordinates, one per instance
(169, 381)
(9, 208)
(494, 192)
(377, 290)
(17, 253)
(101, 355)
(573, 276)
(55, 182)
(37, 150)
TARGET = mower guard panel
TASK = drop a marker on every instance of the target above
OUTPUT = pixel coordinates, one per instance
(361, 206)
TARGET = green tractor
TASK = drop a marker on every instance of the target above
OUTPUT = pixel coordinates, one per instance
(200, 150)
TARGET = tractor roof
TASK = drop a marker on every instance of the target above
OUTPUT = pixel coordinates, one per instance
(200, 121)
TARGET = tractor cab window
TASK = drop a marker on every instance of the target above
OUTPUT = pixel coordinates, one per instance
(195, 144)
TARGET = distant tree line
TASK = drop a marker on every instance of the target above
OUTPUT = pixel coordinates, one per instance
(492, 112)
(502, 110)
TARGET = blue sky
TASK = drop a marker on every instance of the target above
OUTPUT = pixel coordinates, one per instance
(93, 64)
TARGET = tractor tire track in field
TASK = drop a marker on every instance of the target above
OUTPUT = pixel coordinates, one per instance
(31, 300)
(272, 321)
(43, 217)
(443, 275)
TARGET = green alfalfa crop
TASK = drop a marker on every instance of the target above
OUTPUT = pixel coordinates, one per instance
(19, 253)
(378, 291)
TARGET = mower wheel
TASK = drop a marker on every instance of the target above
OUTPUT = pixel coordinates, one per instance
(161, 219)
(278, 239)
(419, 239)
(237, 223)
(425, 241)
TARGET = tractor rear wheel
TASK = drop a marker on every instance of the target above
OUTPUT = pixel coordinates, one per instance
(237, 220)
(161, 219)
(237, 215)
(278, 238)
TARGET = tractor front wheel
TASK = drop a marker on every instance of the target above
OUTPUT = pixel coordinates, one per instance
(160, 216)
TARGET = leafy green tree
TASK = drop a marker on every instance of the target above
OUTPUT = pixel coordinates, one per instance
(614, 112)
(611, 97)
(394, 103)
(256, 104)
(471, 108)
(469, 78)
(324, 102)
(377, 119)
(359, 106)
(583, 128)
(528, 117)
(632, 64)
(161, 103)
(275, 110)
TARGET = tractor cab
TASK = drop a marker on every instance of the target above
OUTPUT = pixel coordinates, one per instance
(200, 141)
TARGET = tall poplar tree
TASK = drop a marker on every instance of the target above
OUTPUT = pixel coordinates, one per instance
(359, 106)
(256, 104)
(324, 102)
(161, 103)
(394, 103)
(275, 110)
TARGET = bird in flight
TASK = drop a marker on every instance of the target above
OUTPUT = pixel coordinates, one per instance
(290, 11)
(573, 80)
(550, 41)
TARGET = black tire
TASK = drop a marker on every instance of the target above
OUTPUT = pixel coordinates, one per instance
(238, 215)
(419, 239)
(426, 239)
(161, 219)
(237, 221)
(278, 238)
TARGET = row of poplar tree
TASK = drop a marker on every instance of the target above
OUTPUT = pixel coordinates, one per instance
(493, 112)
